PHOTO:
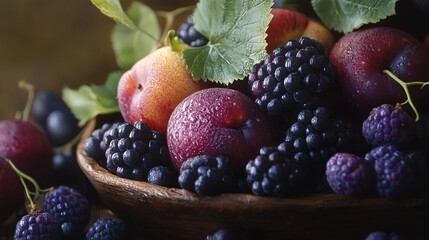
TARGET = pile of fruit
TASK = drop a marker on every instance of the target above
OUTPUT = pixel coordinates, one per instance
(277, 102)
(318, 113)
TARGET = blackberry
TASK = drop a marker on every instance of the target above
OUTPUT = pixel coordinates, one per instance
(94, 145)
(108, 229)
(389, 124)
(396, 172)
(272, 173)
(314, 138)
(232, 234)
(134, 149)
(189, 35)
(222, 234)
(349, 174)
(163, 176)
(295, 76)
(69, 208)
(36, 225)
(208, 175)
(379, 235)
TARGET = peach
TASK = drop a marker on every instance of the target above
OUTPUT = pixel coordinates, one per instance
(153, 87)
(289, 24)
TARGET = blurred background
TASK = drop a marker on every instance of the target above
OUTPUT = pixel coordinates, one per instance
(56, 43)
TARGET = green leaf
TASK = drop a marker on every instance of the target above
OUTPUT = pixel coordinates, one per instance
(113, 9)
(89, 101)
(347, 15)
(132, 45)
(236, 30)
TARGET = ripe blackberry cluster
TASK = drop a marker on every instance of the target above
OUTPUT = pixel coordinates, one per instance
(389, 124)
(133, 149)
(95, 148)
(295, 76)
(272, 173)
(397, 173)
(314, 138)
(69, 208)
(37, 225)
(189, 35)
(207, 175)
(349, 174)
(108, 229)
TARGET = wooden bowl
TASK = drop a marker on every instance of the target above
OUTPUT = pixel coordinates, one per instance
(157, 212)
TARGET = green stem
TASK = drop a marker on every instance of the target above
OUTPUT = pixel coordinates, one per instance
(30, 89)
(31, 196)
(170, 16)
(405, 85)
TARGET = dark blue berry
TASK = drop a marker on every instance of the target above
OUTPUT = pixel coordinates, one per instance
(207, 175)
(232, 234)
(163, 176)
(379, 235)
(272, 173)
(108, 229)
(388, 124)
(69, 208)
(95, 147)
(55, 117)
(37, 225)
(134, 149)
(314, 138)
(189, 35)
(349, 174)
(395, 172)
(222, 234)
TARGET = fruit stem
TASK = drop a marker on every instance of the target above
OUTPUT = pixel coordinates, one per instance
(170, 16)
(405, 85)
(174, 42)
(22, 177)
(30, 89)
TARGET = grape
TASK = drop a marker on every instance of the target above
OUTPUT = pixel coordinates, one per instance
(61, 127)
(43, 104)
(55, 117)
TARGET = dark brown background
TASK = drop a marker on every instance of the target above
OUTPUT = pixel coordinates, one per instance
(56, 43)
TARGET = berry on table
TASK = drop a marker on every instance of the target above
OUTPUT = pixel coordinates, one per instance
(349, 174)
(69, 208)
(379, 235)
(37, 225)
(207, 175)
(55, 117)
(233, 234)
(108, 229)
